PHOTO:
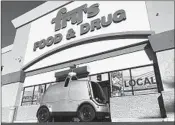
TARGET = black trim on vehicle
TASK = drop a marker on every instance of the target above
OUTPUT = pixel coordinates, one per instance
(64, 114)
(101, 115)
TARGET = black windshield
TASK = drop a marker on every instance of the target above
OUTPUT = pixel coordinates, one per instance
(98, 92)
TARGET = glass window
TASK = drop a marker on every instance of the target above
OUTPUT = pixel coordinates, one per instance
(27, 97)
(133, 81)
(98, 92)
(119, 79)
(143, 79)
(128, 90)
(39, 91)
(32, 95)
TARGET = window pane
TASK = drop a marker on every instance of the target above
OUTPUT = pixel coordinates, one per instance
(118, 82)
(98, 92)
(36, 96)
(126, 79)
(28, 93)
(143, 79)
(39, 91)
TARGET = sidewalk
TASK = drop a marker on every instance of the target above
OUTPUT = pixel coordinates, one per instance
(143, 120)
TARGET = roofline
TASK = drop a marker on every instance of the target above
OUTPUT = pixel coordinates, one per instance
(38, 12)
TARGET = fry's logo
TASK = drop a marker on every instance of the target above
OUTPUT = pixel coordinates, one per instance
(76, 17)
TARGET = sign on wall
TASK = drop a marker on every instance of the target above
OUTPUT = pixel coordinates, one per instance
(79, 20)
(75, 16)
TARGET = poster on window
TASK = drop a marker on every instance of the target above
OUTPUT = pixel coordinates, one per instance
(117, 83)
(32, 95)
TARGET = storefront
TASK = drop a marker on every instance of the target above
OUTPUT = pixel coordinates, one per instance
(113, 41)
